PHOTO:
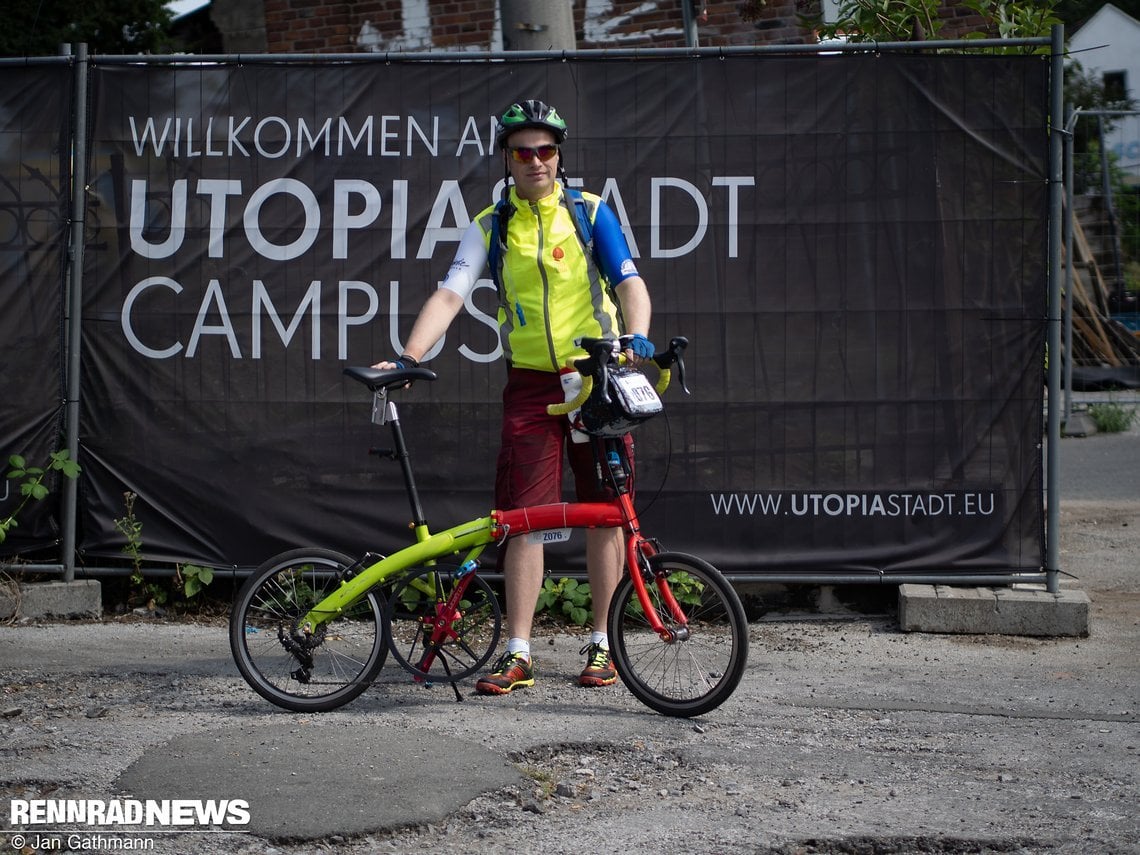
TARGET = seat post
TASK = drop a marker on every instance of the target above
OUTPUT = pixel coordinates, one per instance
(405, 461)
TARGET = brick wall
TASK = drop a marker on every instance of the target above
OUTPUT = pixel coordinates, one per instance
(313, 26)
(305, 26)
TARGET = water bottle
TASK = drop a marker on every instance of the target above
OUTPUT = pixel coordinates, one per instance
(617, 471)
(571, 386)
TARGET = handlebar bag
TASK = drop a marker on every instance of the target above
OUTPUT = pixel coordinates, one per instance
(633, 400)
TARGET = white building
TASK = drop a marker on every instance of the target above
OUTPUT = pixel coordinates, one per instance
(1108, 47)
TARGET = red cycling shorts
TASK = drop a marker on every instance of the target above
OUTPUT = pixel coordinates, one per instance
(534, 444)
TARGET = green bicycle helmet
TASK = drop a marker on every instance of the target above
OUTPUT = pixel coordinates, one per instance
(529, 114)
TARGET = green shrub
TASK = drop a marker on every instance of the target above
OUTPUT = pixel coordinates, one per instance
(1111, 417)
(32, 486)
(567, 598)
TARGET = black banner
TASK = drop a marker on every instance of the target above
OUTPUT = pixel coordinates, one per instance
(856, 247)
(35, 119)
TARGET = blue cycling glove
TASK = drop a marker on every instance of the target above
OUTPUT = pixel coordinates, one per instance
(639, 344)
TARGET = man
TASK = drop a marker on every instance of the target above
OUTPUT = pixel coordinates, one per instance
(551, 291)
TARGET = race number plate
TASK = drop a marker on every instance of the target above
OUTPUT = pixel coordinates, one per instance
(637, 393)
(554, 535)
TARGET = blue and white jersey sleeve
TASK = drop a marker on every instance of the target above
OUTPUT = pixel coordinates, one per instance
(611, 252)
(468, 264)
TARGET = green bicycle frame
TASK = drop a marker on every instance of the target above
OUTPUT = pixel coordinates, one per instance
(472, 536)
(476, 534)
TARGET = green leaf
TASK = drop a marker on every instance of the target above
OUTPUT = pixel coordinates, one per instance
(17, 461)
(580, 616)
(62, 462)
(192, 586)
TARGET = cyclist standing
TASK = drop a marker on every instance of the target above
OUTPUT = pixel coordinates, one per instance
(563, 270)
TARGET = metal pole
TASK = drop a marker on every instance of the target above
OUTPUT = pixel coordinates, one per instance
(1110, 212)
(248, 59)
(75, 307)
(1070, 215)
(690, 21)
(1053, 429)
(531, 26)
(780, 577)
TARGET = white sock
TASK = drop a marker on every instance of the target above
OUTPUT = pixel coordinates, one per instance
(600, 638)
(520, 646)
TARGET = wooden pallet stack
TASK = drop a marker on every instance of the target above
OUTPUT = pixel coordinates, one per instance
(1097, 339)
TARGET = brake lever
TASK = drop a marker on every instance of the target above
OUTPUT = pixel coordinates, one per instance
(672, 357)
(681, 375)
(601, 358)
(677, 347)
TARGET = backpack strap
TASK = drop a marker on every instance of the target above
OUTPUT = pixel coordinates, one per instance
(498, 244)
(581, 214)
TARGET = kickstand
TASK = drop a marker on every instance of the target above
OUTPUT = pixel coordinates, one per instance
(447, 670)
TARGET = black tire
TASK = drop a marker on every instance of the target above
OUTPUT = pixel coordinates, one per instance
(411, 615)
(695, 673)
(345, 655)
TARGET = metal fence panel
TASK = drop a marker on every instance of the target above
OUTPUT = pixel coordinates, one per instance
(35, 120)
(855, 245)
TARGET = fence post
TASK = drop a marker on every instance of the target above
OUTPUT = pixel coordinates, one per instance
(1053, 426)
(75, 307)
(1070, 216)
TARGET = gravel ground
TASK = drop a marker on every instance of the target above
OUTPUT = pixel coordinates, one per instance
(846, 735)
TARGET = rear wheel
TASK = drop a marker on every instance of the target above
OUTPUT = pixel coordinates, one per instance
(699, 667)
(465, 633)
(299, 671)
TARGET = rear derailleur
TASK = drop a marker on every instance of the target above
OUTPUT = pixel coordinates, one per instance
(300, 644)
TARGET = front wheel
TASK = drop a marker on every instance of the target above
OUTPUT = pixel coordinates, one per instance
(700, 666)
(288, 666)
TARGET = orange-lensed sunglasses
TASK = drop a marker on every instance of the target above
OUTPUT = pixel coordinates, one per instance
(523, 154)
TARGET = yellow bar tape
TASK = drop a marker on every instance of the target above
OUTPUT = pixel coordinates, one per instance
(666, 374)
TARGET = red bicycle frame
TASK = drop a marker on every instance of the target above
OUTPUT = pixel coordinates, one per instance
(618, 513)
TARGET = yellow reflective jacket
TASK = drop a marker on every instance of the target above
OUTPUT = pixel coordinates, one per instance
(551, 292)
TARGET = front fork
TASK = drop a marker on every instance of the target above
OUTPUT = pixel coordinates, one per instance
(437, 628)
(639, 551)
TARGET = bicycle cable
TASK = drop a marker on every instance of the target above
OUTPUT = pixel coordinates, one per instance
(668, 465)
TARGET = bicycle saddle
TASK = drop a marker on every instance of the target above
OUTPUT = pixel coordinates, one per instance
(392, 378)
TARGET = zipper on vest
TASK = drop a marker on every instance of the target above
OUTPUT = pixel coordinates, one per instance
(537, 210)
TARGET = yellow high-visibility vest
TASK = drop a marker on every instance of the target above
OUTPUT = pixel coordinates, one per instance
(551, 293)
